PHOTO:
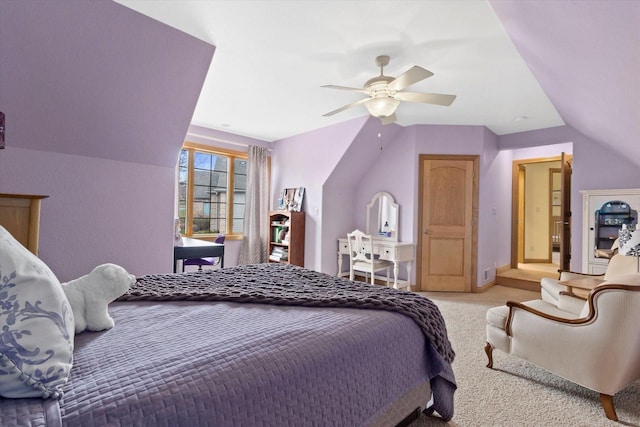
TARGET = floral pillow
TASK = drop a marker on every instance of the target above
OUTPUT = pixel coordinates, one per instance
(36, 325)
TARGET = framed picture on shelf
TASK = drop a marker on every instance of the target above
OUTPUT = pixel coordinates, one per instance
(298, 198)
(291, 199)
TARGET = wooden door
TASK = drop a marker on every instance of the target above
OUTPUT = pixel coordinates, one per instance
(565, 211)
(447, 218)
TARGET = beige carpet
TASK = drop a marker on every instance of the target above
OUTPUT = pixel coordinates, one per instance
(516, 392)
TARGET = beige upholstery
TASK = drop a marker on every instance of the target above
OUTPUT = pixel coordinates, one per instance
(598, 348)
(551, 289)
(361, 257)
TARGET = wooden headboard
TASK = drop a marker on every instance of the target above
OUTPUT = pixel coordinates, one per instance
(20, 215)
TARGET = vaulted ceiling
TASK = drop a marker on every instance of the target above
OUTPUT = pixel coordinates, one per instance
(515, 65)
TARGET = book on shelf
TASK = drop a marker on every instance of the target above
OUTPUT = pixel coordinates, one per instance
(280, 234)
(279, 254)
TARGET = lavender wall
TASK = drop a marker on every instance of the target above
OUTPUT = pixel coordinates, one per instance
(343, 200)
(307, 161)
(396, 170)
(97, 101)
(349, 187)
(97, 211)
(585, 56)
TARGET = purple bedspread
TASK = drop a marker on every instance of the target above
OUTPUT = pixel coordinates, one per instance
(195, 363)
(284, 284)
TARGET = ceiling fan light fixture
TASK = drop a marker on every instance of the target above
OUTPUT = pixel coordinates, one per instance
(385, 92)
(382, 106)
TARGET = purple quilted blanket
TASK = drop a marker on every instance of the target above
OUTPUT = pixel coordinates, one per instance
(282, 284)
(285, 358)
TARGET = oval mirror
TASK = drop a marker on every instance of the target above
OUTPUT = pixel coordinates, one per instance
(382, 217)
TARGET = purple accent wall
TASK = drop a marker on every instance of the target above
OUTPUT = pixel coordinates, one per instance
(308, 160)
(586, 57)
(342, 192)
(98, 210)
(98, 99)
(362, 170)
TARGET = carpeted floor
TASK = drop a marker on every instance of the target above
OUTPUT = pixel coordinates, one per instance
(516, 392)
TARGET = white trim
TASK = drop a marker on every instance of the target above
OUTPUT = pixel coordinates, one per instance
(224, 141)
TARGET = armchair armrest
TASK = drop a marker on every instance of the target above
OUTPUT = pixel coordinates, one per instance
(514, 305)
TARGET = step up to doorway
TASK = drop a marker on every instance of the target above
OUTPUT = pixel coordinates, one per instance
(522, 279)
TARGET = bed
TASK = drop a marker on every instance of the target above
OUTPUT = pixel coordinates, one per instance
(267, 344)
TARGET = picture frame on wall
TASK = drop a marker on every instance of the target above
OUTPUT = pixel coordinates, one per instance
(555, 198)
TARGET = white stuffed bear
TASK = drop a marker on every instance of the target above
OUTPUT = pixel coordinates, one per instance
(90, 295)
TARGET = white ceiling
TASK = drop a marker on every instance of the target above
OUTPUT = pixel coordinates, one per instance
(272, 57)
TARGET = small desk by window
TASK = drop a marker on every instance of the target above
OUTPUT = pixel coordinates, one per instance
(195, 248)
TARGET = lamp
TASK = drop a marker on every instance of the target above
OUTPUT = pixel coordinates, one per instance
(630, 242)
(382, 106)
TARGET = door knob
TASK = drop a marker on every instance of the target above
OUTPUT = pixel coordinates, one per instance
(426, 231)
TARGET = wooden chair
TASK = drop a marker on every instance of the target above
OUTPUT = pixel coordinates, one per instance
(361, 257)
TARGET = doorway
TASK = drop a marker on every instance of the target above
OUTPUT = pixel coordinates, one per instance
(541, 213)
(447, 223)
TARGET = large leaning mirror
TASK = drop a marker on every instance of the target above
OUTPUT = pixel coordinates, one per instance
(382, 217)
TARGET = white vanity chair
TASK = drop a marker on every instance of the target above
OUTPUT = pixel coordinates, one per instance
(382, 221)
(362, 258)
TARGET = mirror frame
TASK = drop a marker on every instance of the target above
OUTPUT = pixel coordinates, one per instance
(392, 202)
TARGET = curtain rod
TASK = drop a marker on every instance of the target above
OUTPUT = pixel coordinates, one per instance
(224, 141)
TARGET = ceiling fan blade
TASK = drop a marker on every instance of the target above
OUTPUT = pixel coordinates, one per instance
(413, 75)
(353, 104)
(427, 98)
(389, 119)
(352, 89)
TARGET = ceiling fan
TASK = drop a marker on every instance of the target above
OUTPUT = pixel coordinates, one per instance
(385, 92)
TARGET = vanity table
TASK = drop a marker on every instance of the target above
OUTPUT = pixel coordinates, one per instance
(382, 225)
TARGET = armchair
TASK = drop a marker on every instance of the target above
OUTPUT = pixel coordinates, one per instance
(598, 348)
(553, 292)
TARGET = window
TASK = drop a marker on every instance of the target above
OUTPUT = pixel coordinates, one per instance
(211, 190)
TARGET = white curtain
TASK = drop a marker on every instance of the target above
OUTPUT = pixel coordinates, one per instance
(256, 210)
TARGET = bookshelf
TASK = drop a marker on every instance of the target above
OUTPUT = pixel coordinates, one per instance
(286, 237)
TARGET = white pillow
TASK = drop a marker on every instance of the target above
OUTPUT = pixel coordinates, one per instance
(36, 325)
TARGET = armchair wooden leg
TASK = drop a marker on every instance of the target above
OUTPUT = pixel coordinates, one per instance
(489, 350)
(607, 404)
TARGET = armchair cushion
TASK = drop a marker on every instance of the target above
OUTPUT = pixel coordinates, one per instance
(621, 265)
(572, 304)
(497, 316)
(628, 279)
